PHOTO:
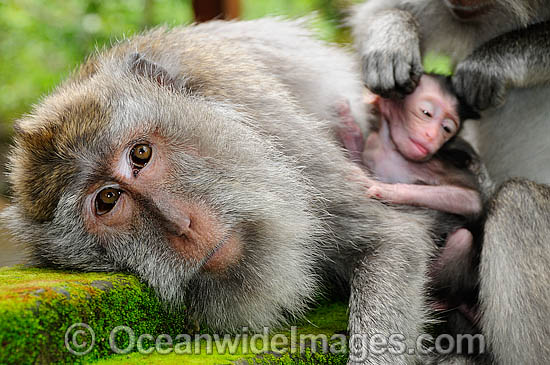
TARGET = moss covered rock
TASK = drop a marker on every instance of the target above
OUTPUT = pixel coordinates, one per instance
(37, 307)
(67, 317)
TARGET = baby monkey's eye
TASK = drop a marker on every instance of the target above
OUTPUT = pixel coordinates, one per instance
(106, 200)
(427, 113)
(140, 155)
(447, 129)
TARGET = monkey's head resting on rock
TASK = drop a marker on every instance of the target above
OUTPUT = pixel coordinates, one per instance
(200, 159)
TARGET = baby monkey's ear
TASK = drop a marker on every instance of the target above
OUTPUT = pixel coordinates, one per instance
(143, 67)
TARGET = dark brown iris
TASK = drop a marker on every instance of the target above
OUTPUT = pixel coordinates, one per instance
(106, 200)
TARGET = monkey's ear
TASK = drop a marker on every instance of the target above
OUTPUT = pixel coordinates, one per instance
(153, 71)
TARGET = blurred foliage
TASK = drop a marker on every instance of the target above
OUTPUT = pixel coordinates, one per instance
(42, 41)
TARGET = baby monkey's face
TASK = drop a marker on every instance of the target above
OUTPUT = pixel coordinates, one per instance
(422, 122)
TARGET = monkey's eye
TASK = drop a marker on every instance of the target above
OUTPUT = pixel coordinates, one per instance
(140, 155)
(449, 126)
(106, 200)
(427, 113)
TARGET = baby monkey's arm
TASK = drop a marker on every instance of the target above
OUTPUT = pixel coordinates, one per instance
(445, 198)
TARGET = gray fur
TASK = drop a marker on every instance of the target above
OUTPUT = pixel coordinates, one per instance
(256, 100)
(516, 319)
(501, 57)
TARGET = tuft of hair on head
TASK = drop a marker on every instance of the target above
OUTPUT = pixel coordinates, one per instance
(464, 110)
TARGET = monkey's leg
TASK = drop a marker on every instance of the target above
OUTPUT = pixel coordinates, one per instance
(459, 243)
(453, 270)
(514, 273)
(387, 302)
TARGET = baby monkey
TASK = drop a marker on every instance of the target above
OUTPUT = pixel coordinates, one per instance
(417, 159)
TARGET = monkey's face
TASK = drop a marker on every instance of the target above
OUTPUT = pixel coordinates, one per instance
(142, 183)
(422, 122)
(180, 190)
(483, 10)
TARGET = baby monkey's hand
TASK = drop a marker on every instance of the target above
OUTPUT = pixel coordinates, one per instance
(374, 188)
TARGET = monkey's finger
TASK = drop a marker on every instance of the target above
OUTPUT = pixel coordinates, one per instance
(498, 93)
(370, 75)
(417, 69)
(387, 80)
(484, 95)
(402, 75)
(375, 192)
(471, 92)
(371, 194)
(457, 85)
(499, 97)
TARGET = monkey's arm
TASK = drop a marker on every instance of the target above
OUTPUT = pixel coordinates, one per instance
(445, 198)
(387, 299)
(389, 45)
(513, 60)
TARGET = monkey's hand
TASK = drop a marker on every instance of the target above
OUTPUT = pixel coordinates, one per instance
(513, 60)
(381, 191)
(374, 188)
(390, 54)
(479, 83)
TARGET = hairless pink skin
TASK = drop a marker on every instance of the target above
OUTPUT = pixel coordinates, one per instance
(422, 122)
(400, 153)
(445, 198)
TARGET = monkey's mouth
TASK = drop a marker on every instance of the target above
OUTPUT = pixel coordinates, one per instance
(467, 12)
(420, 148)
(226, 252)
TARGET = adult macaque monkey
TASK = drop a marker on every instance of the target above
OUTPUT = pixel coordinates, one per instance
(501, 49)
(201, 159)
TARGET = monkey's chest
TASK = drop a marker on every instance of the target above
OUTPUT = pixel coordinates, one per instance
(387, 164)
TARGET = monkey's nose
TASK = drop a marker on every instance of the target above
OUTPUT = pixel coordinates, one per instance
(179, 227)
(430, 133)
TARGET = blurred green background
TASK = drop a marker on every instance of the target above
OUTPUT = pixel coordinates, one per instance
(42, 41)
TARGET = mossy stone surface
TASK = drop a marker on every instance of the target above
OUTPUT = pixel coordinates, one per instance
(328, 319)
(37, 306)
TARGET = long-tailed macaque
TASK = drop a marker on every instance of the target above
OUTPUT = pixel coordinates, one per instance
(202, 160)
(500, 49)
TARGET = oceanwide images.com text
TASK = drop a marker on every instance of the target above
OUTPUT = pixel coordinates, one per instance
(80, 339)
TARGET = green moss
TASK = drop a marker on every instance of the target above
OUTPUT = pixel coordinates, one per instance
(176, 359)
(327, 319)
(37, 306)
